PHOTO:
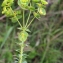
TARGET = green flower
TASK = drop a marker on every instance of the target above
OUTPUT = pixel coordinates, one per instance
(24, 1)
(7, 3)
(7, 11)
(4, 10)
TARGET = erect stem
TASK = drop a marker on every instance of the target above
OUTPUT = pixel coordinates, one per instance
(21, 52)
(18, 21)
(30, 22)
(23, 19)
(28, 18)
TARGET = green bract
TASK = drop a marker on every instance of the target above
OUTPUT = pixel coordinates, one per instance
(39, 4)
(22, 36)
(23, 4)
(6, 7)
(44, 2)
(41, 11)
(17, 13)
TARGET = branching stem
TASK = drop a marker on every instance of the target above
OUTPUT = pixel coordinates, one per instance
(23, 19)
(28, 18)
(30, 22)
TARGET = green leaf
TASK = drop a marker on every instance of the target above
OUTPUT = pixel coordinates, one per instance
(39, 4)
(25, 61)
(13, 19)
(6, 36)
(24, 29)
(28, 30)
(32, 54)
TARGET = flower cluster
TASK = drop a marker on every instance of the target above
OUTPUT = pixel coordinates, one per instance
(7, 10)
(36, 6)
(6, 7)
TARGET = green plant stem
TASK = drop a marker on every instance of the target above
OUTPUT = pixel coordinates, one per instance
(30, 22)
(21, 52)
(28, 18)
(23, 19)
(18, 21)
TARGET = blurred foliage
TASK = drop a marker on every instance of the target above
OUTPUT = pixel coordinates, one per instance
(45, 43)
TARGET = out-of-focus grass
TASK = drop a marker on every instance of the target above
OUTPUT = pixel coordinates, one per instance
(7, 41)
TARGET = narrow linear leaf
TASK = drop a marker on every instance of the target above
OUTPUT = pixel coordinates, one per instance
(6, 36)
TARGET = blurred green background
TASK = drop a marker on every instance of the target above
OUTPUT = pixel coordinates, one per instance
(45, 43)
